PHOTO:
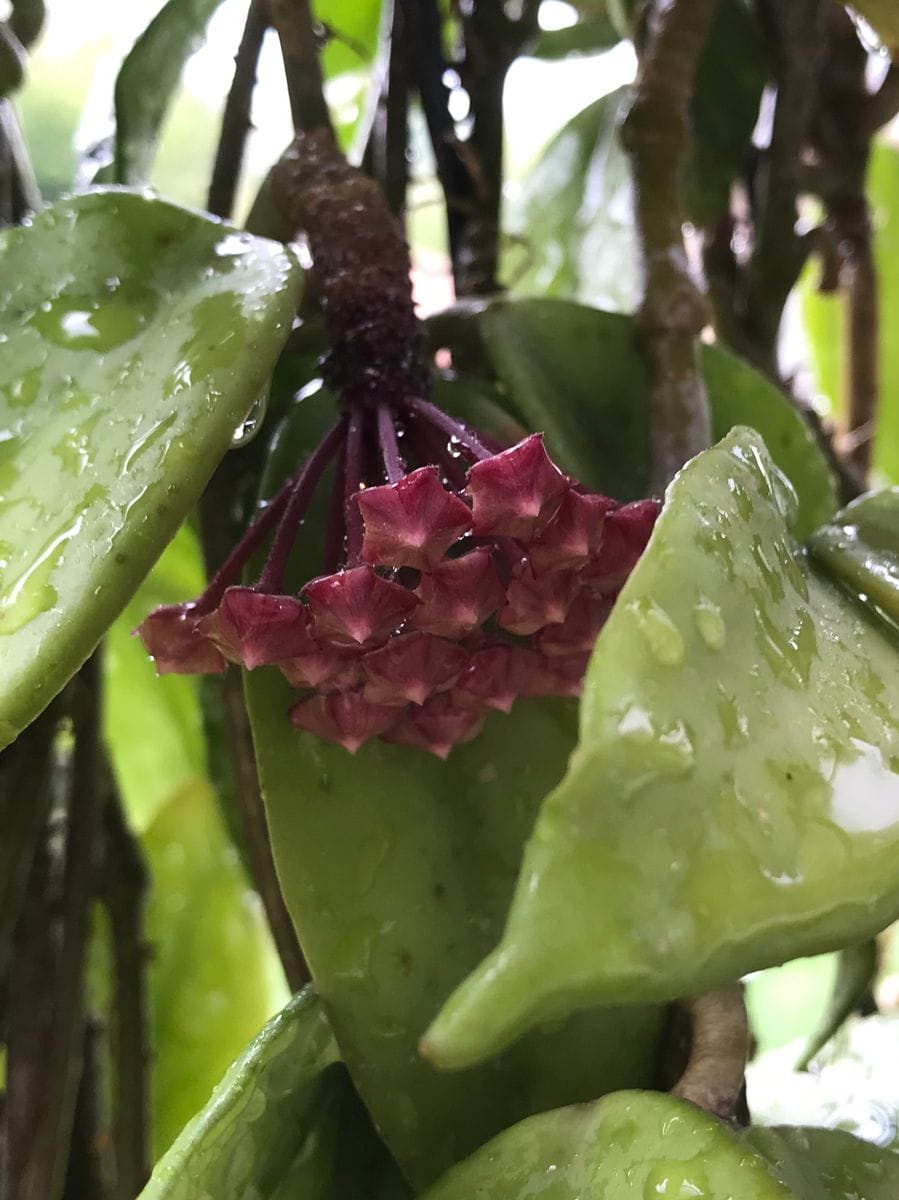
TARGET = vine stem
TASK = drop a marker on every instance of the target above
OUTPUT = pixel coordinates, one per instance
(714, 1075)
(673, 312)
(236, 116)
(299, 47)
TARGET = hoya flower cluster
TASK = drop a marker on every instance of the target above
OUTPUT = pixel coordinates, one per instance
(450, 592)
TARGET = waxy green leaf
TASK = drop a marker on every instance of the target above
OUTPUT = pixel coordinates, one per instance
(859, 548)
(215, 976)
(135, 337)
(639, 1145)
(147, 82)
(397, 870)
(576, 373)
(260, 1118)
(734, 797)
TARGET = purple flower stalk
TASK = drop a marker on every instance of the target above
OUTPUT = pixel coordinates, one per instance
(457, 579)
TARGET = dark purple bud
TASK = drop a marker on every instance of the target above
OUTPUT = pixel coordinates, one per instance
(625, 534)
(436, 726)
(252, 628)
(345, 717)
(411, 667)
(172, 637)
(496, 678)
(534, 601)
(572, 533)
(459, 595)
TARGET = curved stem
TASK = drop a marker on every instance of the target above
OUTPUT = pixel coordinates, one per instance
(353, 478)
(272, 577)
(714, 1076)
(394, 467)
(437, 418)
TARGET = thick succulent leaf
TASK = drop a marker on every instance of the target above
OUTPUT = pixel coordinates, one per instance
(214, 977)
(630, 1146)
(147, 82)
(165, 709)
(397, 870)
(854, 982)
(852, 1086)
(136, 336)
(827, 1164)
(822, 314)
(575, 373)
(574, 217)
(734, 798)
(859, 548)
(260, 1118)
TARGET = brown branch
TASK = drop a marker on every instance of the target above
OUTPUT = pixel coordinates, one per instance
(673, 311)
(87, 1175)
(385, 156)
(125, 883)
(714, 1076)
(236, 116)
(300, 49)
(493, 39)
(46, 1019)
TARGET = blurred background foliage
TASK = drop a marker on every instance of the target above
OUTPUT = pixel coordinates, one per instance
(215, 976)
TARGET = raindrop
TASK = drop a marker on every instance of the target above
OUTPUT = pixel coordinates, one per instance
(249, 426)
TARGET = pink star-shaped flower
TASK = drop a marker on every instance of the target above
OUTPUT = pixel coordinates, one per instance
(253, 628)
(458, 595)
(514, 491)
(411, 523)
(344, 717)
(437, 726)
(357, 607)
(411, 667)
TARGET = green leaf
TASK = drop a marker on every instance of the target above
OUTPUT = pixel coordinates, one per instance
(397, 870)
(152, 723)
(353, 26)
(630, 1146)
(136, 336)
(859, 548)
(147, 82)
(575, 373)
(734, 797)
(576, 220)
(785, 1002)
(260, 1116)
(856, 972)
(827, 1164)
(214, 977)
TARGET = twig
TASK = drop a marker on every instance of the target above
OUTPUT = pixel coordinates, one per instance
(493, 39)
(779, 252)
(423, 23)
(46, 1020)
(87, 1174)
(672, 312)
(714, 1075)
(385, 156)
(125, 884)
(299, 46)
(236, 116)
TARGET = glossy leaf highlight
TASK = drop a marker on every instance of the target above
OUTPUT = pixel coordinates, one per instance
(136, 336)
(734, 797)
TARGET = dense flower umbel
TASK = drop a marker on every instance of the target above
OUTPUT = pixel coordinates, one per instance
(450, 601)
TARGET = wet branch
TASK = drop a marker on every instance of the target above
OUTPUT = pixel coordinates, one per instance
(236, 116)
(673, 311)
(714, 1076)
(299, 37)
(125, 883)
